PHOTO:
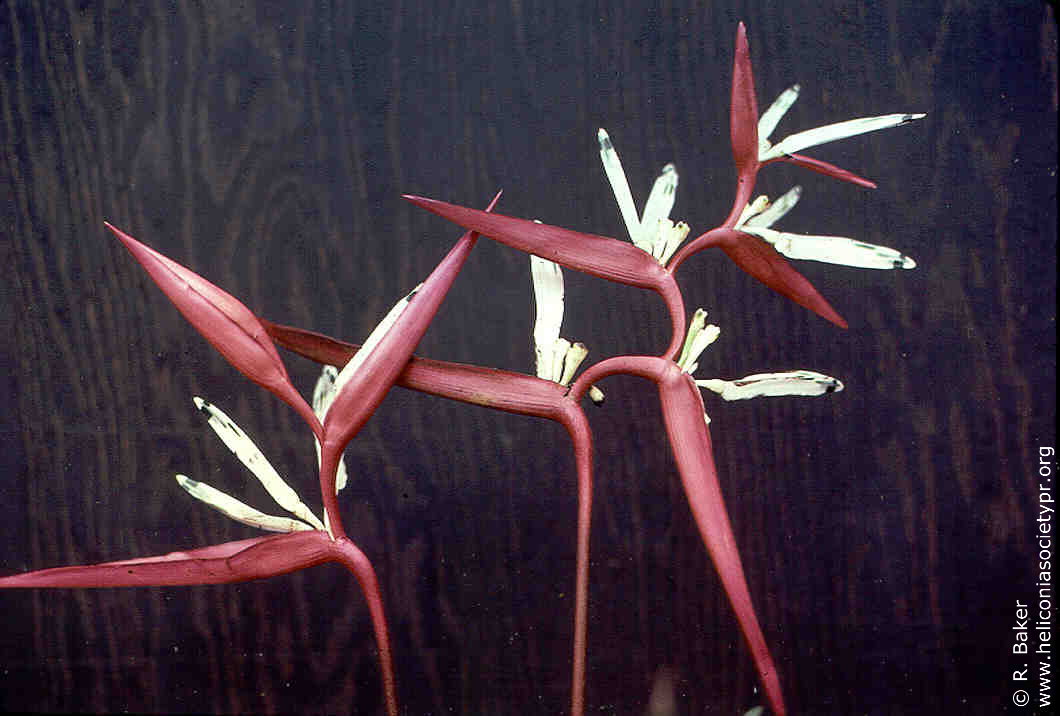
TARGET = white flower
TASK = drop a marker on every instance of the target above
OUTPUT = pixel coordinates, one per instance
(240, 511)
(653, 231)
(820, 135)
(798, 382)
(556, 358)
(248, 453)
(324, 393)
(759, 215)
(700, 335)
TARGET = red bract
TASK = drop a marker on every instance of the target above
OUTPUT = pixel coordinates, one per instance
(761, 261)
(743, 125)
(360, 397)
(217, 564)
(366, 389)
(683, 413)
(225, 322)
(228, 563)
(511, 392)
(599, 256)
(682, 408)
(827, 169)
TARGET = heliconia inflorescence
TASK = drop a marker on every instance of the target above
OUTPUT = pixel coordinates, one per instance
(356, 378)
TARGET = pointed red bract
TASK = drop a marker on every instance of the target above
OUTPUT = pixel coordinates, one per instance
(365, 390)
(227, 324)
(682, 408)
(827, 169)
(600, 256)
(217, 564)
(504, 390)
(230, 562)
(310, 344)
(359, 398)
(760, 260)
(743, 127)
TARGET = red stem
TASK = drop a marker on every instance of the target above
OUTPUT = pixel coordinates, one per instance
(745, 186)
(573, 418)
(650, 367)
(330, 456)
(675, 304)
(347, 553)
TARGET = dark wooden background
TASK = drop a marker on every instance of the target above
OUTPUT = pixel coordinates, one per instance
(886, 530)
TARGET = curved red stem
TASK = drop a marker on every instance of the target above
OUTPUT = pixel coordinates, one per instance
(351, 557)
(573, 418)
(330, 456)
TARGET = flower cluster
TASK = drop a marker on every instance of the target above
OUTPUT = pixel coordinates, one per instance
(355, 378)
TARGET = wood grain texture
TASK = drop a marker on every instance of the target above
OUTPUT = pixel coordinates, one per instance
(886, 530)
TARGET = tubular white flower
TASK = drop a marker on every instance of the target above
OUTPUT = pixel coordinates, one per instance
(572, 360)
(753, 209)
(700, 335)
(547, 279)
(708, 335)
(798, 382)
(648, 232)
(659, 205)
(758, 216)
(324, 393)
(668, 239)
(833, 249)
(699, 320)
(616, 175)
(772, 116)
(559, 357)
(555, 358)
(831, 133)
(248, 453)
(770, 213)
(819, 135)
(240, 511)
